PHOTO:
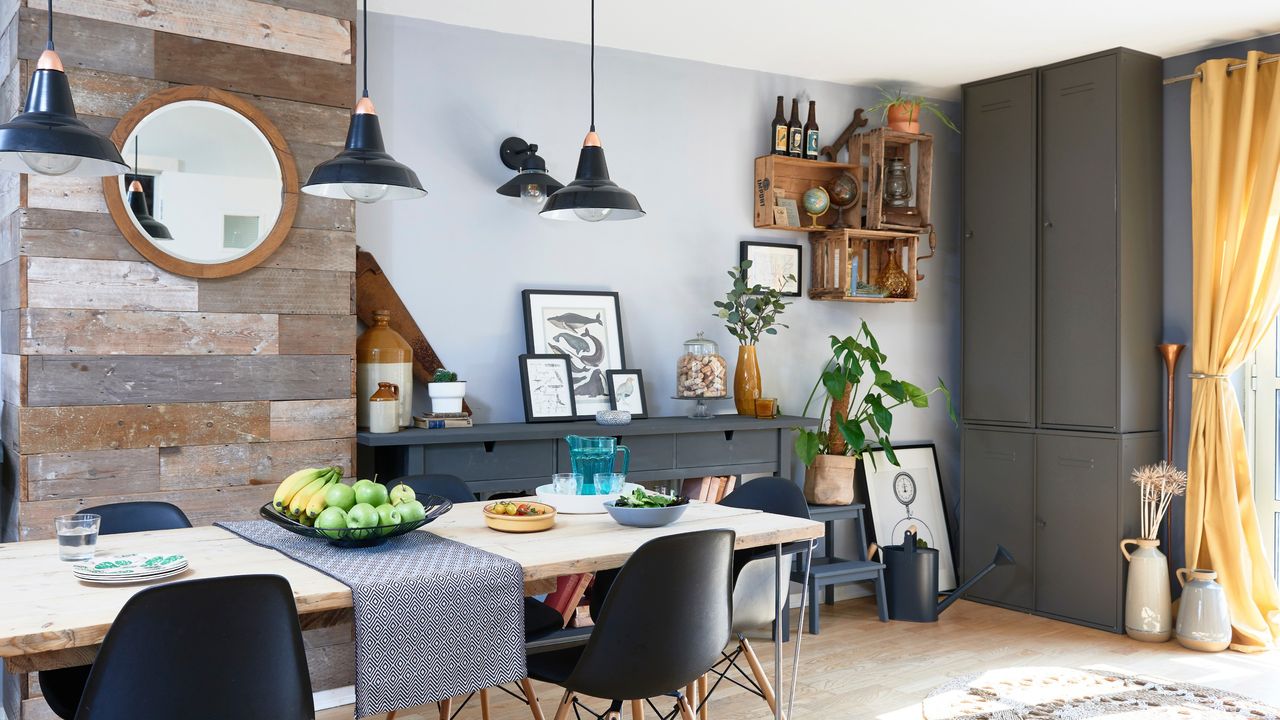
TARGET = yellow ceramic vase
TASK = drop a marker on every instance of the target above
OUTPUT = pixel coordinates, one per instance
(746, 381)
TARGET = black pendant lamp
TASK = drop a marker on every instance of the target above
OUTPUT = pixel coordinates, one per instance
(47, 138)
(364, 171)
(138, 204)
(592, 196)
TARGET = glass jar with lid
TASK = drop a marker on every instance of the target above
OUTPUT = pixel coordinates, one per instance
(701, 372)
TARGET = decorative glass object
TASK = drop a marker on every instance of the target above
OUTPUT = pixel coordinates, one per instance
(897, 183)
(892, 278)
(701, 371)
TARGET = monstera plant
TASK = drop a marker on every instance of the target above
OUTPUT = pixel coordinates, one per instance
(858, 396)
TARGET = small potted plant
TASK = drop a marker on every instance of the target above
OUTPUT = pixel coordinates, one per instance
(858, 399)
(749, 311)
(446, 392)
(902, 112)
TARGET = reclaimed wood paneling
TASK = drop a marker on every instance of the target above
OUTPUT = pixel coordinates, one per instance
(316, 334)
(304, 122)
(88, 43)
(312, 419)
(193, 61)
(307, 249)
(324, 214)
(65, 193)
(13, 284)
(93, 473)
(106, 285)
(44, 331)
(107, 95)
(342, 9)
(71, 234)
(203, 506)
(248, 463)
(9, 320)
(133, 379)
(13, 381)
(241, 22)
(275, 290)
(10, 236)
(107, 427)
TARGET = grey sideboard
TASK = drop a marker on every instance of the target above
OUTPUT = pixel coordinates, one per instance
(497, 457)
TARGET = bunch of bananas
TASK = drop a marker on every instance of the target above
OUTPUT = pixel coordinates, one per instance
(301, 495)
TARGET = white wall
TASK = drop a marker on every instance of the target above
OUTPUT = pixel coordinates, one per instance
(682, 136)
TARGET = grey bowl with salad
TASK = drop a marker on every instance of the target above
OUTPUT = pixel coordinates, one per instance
(640, 508)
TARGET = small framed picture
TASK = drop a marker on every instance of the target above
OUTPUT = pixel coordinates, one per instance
(789, 206)
(626, 392)
(910, 494)
(772, 263)
(547, 386)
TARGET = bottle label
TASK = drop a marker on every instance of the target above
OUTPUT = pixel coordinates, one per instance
(780, 138)
(797, 141)
(811, 143)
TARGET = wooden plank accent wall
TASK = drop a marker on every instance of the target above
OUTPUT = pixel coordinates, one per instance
(122, 381)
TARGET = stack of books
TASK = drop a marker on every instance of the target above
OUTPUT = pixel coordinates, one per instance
(436, 421)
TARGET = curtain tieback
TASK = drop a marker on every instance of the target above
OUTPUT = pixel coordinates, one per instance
(1206, 376)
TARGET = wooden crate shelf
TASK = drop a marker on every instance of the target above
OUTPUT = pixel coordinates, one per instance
(833, 249)
(876, 147)
(794, 176)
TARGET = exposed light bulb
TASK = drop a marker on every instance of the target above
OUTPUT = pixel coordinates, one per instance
(50, 163)
(592, 214)
(365, 192)
(532, 194)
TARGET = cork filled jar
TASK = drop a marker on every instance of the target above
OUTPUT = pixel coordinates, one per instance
(382, 356)
(701, 372)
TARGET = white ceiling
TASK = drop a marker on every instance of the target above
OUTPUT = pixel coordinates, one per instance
(930, 46)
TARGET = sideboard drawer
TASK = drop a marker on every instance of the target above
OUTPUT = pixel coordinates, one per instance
(712, 449)
(498, 460)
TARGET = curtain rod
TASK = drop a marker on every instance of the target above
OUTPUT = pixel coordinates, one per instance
(1237, 66)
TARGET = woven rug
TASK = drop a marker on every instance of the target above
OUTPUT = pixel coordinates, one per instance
(434, 618)
(1056, 693)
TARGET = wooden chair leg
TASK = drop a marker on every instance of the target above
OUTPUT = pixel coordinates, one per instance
(686, 712)
(484, 703)
(637, 710)
(535, 708)
(702, 697)
(613, 715)
(762, 678)
(691, 692)
(566, 705)
(445, 707)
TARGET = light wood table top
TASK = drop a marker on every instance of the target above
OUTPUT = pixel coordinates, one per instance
(49, 619)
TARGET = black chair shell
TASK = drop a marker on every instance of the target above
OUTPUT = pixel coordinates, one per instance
(449, 487)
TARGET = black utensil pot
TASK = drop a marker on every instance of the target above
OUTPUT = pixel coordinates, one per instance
(911, 579)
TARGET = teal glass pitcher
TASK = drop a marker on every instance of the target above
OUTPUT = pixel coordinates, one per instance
(591, 455)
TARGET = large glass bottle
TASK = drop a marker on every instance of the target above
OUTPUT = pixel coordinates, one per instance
(382, 356)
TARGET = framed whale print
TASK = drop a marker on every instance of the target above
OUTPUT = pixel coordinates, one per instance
(584, 326)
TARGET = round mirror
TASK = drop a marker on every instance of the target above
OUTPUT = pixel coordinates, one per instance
(213, 188)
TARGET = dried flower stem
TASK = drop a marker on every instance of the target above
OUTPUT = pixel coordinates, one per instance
(1159, 484)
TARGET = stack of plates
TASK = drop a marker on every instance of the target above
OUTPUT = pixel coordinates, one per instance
(134, 567)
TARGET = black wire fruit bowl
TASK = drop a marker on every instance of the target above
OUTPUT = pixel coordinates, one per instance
(359, 537)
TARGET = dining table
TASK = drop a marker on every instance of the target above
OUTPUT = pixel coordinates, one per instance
(49, 619)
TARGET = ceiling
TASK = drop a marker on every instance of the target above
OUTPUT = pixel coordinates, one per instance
(930, 46)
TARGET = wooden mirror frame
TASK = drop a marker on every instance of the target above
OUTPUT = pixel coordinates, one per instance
(123, 216)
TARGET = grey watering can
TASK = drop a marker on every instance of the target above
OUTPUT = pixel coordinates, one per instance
(911, 579)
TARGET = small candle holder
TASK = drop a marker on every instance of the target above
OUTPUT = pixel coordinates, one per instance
(766, 408)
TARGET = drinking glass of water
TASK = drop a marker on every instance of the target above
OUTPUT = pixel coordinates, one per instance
(609, 483)
(566, 483)
(77, 536)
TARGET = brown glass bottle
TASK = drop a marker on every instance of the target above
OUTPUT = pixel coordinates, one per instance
(811, 134)
(795, 132)
(778, 136)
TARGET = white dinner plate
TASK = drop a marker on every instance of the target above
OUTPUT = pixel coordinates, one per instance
(132, 579)
(579, 504)
(131, 565)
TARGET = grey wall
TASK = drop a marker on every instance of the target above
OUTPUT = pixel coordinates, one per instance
(1177, 234)
(680, 135)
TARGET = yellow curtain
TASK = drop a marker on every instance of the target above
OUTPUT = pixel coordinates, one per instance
(1235, 199)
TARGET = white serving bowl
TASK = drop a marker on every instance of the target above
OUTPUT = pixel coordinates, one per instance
(579, 504)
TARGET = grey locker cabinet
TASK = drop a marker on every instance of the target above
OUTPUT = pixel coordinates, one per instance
(1000, 251)
(999, 505)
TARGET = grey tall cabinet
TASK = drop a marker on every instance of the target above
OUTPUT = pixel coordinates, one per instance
(1062, 288)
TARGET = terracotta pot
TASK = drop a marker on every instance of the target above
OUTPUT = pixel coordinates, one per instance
(904, 117)
(746, 381)
(1148, 614)
(830, 479)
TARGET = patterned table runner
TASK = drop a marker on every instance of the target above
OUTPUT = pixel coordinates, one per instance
(434, 618)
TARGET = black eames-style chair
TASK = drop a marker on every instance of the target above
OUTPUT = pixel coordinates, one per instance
(62, 688)
(755, 578)
(210, 649)
(648, 644)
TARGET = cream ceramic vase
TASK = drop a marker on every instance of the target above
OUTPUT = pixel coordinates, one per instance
(1148, 611)
(382, 356)
(1204, 622)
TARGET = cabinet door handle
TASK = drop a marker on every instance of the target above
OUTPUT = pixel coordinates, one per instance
(1041, 523)
(968, 235)
(1048, 223)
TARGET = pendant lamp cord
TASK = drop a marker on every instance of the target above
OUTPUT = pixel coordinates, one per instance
(593, 63)
(49, 44)
(365, 22)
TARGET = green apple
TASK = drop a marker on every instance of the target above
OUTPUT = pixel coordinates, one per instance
(362, 515)
(340, 496)
(411, 511)
(371, 493)
(401, 494)
(332, 519)
(388, 514)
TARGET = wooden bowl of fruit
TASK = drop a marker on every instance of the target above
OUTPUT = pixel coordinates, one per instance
(519, 516)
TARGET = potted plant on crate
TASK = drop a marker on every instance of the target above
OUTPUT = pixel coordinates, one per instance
(858, 399)
(446, 392)
(902, 112)
(749, 311)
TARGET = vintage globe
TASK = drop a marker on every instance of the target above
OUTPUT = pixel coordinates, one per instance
(816, 201)
(843, 190)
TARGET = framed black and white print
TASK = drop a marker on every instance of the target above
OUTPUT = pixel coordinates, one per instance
(547, 388)
(910, 493)
(771, 263)
(585, 327)
(626, 392)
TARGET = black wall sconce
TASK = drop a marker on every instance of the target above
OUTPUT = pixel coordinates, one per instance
(531, 184)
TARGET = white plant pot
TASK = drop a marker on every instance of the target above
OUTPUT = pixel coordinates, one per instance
(446, 397)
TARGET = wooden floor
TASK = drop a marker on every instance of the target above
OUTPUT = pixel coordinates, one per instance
(861, 668)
